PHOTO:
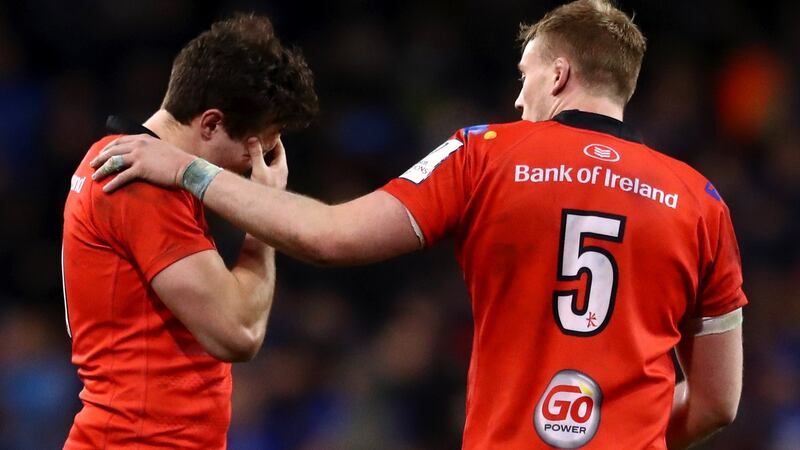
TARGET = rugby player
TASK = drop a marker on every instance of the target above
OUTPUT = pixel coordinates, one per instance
(154, 314)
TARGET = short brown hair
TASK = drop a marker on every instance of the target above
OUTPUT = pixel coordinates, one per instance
(240, 67)
(603, 43)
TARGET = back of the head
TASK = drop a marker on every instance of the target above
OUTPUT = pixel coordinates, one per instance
(602, 43)
(240, 68)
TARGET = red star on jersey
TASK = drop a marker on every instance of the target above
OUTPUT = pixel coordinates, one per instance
(590, 320)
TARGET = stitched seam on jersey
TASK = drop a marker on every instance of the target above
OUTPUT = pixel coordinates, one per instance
(113, 355)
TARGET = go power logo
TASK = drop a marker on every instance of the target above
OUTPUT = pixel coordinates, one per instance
(568, 413)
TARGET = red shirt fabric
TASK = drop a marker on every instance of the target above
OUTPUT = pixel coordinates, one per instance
(147, 382)
(584, 253)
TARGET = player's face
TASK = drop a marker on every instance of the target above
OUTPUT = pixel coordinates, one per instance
(232, 154)
(534, 100)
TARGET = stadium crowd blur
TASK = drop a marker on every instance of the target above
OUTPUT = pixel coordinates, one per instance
(376, 357)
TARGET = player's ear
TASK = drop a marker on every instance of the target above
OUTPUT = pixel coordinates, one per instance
(561, 74)
(210, 123)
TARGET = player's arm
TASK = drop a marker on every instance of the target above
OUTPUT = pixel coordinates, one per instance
(371, 228)
(710, 351)
(713, 367)
(226, 311)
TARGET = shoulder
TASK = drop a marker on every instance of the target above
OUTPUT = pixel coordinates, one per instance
(502, 132)
(137, 193)
(697, 183)
(141, 199)
(143, 211)
(493, 139)
(95, 148)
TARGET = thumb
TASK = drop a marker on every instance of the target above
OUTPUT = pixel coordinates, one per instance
(256, 157)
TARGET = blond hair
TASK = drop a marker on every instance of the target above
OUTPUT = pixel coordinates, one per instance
(603, 44)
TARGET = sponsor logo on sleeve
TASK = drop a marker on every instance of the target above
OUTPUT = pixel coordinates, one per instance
(568, 413)
(422, 170)
(601, 152)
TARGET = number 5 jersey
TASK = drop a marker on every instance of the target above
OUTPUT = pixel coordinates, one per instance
(587, 255)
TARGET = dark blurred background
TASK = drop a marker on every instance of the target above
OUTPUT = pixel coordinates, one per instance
(376, 357)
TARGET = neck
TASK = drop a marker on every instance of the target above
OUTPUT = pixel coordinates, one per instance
(588, 103)
(170, 130)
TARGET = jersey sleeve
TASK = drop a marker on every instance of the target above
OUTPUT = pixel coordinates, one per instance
(720, 291)
(436, 189)
(153, 227)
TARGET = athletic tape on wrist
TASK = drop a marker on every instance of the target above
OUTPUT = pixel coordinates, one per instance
(198, 175)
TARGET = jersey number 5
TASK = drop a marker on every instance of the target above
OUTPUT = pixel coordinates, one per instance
(575, 259)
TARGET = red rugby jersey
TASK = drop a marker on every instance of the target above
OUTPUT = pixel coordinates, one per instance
(147, 382)
(584, 253)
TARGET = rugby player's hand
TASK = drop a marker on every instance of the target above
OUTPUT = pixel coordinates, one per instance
(140, 157)
(274, 174)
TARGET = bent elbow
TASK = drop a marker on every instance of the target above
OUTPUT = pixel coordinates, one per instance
(721, 414)
(726, 414)
(242, 347)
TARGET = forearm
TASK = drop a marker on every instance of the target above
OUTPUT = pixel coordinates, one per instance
(298, 226)
(254, 273)
(713, 367)
(692, 422)
(686, 425)
(371, 228)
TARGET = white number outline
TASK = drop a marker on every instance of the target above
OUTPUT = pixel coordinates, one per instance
(571, 295)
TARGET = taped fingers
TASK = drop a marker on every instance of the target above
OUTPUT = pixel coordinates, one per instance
(117, 163)
(114, 164)
(109, 152)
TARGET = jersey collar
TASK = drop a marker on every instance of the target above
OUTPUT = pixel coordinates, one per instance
(122, 125)
(598, 122)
